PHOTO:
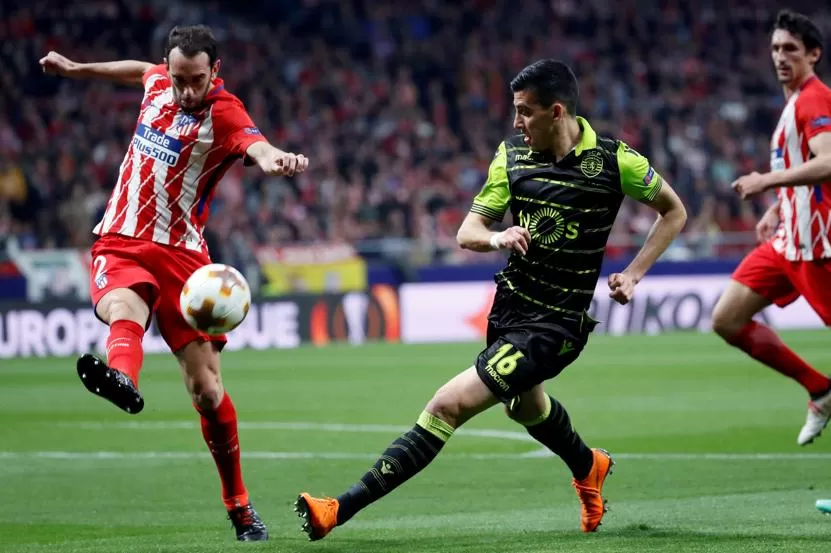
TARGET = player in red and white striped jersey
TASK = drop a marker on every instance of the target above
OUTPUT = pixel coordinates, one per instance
(794, 257)
(174, 161)
(190, 130)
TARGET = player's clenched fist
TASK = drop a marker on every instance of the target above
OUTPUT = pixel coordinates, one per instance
(622, 287)
(749, 185)
(55, 64)
(286, 164)
(515, 238)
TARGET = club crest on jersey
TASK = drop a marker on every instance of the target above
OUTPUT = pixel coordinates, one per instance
(185, 123)
(592, 164)
(156, 144)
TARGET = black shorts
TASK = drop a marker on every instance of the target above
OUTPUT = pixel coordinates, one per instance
(517, 359)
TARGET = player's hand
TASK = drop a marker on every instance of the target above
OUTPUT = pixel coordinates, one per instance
(283, 164)
(55, 64)
(749, 185)
(767, 225)
(622, 287)
(517, 239)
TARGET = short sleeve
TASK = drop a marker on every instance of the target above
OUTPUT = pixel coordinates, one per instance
(153, 75)
(814, 115)
(235, 128)
(638, 179)
(495, 197)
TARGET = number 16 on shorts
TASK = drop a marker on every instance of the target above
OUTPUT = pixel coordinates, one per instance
(498, 366)
(505, 359)
(510, 368)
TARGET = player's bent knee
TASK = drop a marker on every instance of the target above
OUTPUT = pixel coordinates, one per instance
(528, 409)
(445, 406)
(206, 391)
(727, 322)
(199, 362)
(208, 400)
(462, 398)
(722, 324)
(735, 308)
(204, 384)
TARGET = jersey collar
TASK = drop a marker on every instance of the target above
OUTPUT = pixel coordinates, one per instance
(810, 79)
(217, 86)
(588, 140)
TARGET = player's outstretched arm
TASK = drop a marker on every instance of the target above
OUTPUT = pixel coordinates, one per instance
(126, 72)
(475, 234)
(274, 161)
(813, 171)
(672, 216)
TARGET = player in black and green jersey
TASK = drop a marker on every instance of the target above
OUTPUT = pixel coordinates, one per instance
(563, 185)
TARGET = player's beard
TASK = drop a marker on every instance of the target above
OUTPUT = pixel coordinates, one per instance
(194, 102)
(540, 139)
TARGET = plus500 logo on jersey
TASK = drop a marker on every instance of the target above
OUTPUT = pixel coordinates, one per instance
(157, 145)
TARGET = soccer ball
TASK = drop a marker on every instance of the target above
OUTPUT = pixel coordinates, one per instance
(215, 299)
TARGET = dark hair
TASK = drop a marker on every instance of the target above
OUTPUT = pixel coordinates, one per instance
(802, 27)
(192, 40)
(552, 81)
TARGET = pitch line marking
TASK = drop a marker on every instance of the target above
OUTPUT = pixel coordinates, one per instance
(312, 426)
(389, 429)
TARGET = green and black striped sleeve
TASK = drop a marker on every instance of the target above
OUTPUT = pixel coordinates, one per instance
(495, 197)
(638, 179)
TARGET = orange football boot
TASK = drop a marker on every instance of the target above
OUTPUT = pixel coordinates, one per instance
(320, 515)
(592, 503)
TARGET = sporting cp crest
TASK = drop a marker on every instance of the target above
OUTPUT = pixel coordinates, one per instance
(592, 164)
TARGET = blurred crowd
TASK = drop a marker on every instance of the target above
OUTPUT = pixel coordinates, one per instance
(399, 106)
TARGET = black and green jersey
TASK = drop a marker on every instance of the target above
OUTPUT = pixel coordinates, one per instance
(569, 208)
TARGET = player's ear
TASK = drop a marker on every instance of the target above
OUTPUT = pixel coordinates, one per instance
(814, 55)
(215, 68)
(558, 111)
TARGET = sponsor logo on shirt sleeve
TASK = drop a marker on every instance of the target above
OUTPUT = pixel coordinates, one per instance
(821, 121)
(647, 179)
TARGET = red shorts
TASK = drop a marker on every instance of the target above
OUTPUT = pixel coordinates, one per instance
(158, 273)
(781, 282)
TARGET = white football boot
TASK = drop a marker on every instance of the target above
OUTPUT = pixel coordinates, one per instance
(819, 413)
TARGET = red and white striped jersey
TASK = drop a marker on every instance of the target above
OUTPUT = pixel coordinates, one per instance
(174, 162)
(804, 232)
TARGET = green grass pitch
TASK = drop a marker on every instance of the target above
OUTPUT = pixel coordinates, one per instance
(705, 440)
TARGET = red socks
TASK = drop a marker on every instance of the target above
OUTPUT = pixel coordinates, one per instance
(762, 344)
(219, 428)
(124, 349)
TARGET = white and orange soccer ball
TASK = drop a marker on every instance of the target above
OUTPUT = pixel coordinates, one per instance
(215, 299)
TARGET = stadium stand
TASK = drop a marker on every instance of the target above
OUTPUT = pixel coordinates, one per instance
(399, 107)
